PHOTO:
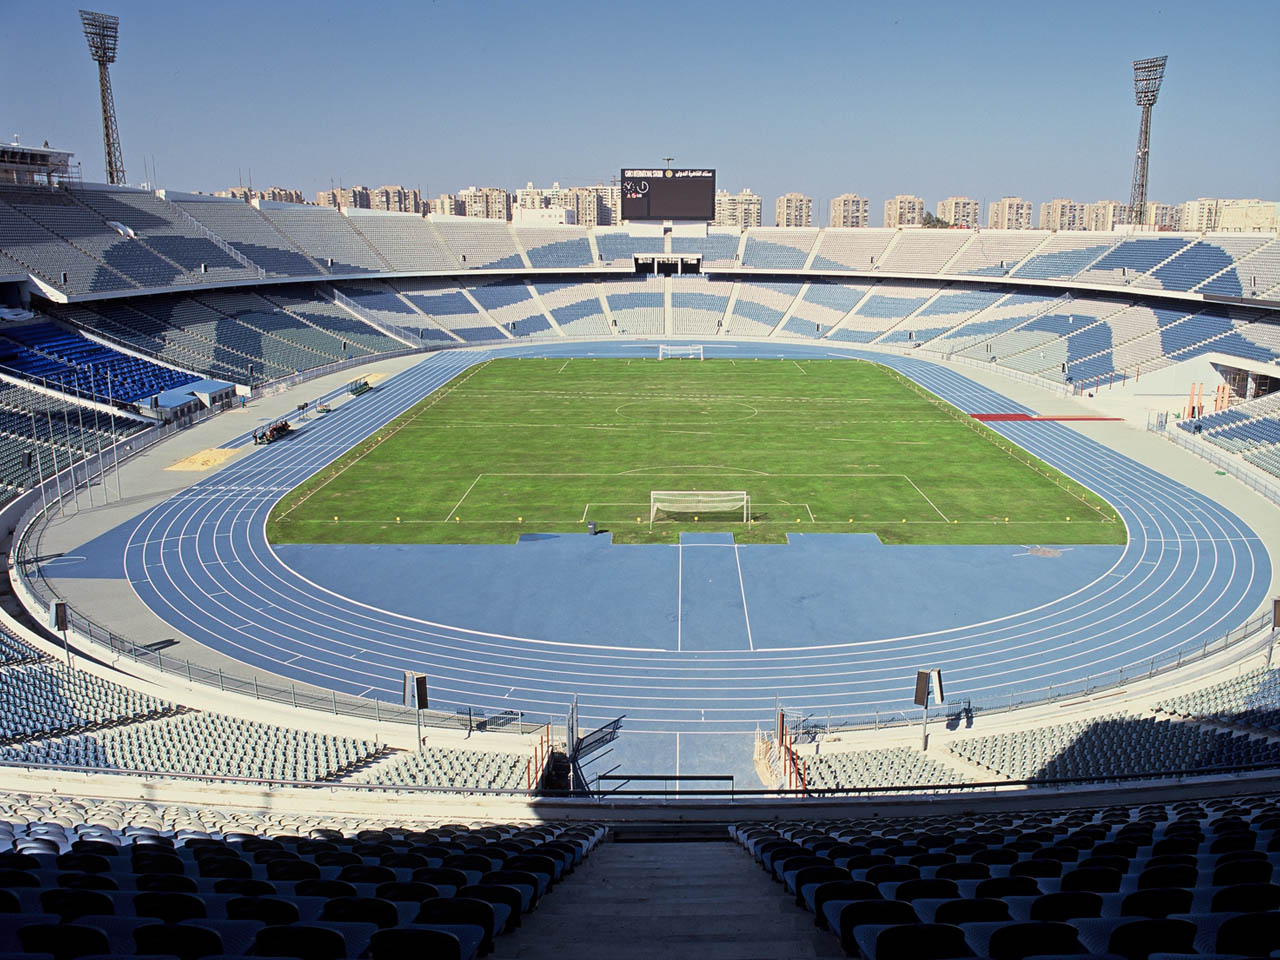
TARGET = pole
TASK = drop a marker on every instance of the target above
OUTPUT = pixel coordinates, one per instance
(97, 433)
(417, 716)
(115, 444)
(57, 476)
(924, 728)
(84, 454)
(35, 452)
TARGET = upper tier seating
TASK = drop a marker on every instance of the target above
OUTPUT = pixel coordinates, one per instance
(1135, 256)
(1200, 261)
(407, 241)
(556, 247)
(923, 251)
(1251, 276)
(993, 253)
(778, 248)
(949, 308)
(327, 237)
(622, 245)
(445, 303)
(164, 229)
(759, 307)
(256, 237)
(1064, 255)
(75, 364)
(717, 248)
(851, 249)
(481, 244)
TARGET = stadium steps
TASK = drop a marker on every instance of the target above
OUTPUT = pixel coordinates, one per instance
(604, 305)
(52, 733)
(289, 242)
(284, 308)
(369, 243)
(595, 250)
(813, 251)
(1177, 253)
(1048, 307)
(742, 249)
(893, 242)
(1105, 253)
(485, 313)
(515, 239)
(428, 321)
(963, 247)
(668, 318)
(262, 331)
(338, 299)
(186, 272)
(678, 901)
(102, 264)
(364, 763)
(936, 294)
(1088, 326)
(791, 308)
(546, 313)
(728, 310)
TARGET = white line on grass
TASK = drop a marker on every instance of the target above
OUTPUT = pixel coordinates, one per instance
(800, 368)
(464, 496)
(563, 365)
(927, 500)
(811, 520)
(741, 586)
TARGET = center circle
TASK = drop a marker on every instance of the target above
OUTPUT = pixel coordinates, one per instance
(685, 412)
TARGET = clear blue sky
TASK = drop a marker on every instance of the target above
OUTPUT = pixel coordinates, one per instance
(976, 99)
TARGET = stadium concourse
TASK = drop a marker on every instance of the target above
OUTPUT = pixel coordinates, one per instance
(696, 669)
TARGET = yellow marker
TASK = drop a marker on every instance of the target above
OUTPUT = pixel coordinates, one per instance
(955, 521)
(904, 519)
(797, 519)
(1006, 519)
(851, 519)
(637, 519)
(335, 519)
(1068, 519)
(397, 519)
(457, 519)
(695, 518)
(519, 519)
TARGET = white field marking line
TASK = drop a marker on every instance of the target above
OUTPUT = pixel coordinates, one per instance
(472, 487)
(927, 500)
(741, 586)
(563, 365)
(811, 520)
(588, 507)
(800, 368)
(679, 590)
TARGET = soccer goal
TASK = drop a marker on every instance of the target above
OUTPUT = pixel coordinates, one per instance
(680, 504)
(668, 351)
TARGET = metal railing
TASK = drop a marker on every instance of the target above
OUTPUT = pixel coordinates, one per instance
(403, 334)
(193, 224)
(1250, 476)
(1249, 638)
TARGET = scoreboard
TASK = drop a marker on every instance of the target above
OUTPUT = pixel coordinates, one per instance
(668, 194)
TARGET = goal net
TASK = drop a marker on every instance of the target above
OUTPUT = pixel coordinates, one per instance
(667, 351)
(681, 504)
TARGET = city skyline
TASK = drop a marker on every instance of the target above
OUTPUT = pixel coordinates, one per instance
(268, 99)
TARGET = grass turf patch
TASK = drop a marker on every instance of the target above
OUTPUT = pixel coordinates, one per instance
(828, 446)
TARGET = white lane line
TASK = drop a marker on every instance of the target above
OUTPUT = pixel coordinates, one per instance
(472, 487)
(679, 589)
(927, 500)
(741, 586)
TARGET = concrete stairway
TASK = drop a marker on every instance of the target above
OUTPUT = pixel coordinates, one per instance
(696, 900)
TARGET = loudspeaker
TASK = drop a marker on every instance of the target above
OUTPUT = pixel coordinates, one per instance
(420, 691)
(58, 615)
(922, 688)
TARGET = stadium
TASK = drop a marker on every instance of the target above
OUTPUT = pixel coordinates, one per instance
(375, 577)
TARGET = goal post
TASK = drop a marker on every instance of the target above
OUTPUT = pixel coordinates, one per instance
(689, 351)
(681, 503)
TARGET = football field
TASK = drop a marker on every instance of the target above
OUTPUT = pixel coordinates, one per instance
(526, 446)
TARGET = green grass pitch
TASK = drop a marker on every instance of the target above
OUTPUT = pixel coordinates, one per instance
(517, 446)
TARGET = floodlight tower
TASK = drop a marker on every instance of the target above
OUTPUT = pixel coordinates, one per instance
(1147, 75)
(102, 30)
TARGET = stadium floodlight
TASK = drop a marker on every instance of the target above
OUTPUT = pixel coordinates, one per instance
(691, 351)
(1147, 75)
(102, 31)
(681, 504)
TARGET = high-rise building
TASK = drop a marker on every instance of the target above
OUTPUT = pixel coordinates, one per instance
(1250, 216)
(1105, 215)
(1163, 216)
(850, 210)
(903, 210)
(793, 210)
(486, 203)
(960, 212)
(1009, 213)
(737, 209)
(274, 194)
(357, 197)
(1202, 215)
(446, 205)
(1062, 214)
(395, 198)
